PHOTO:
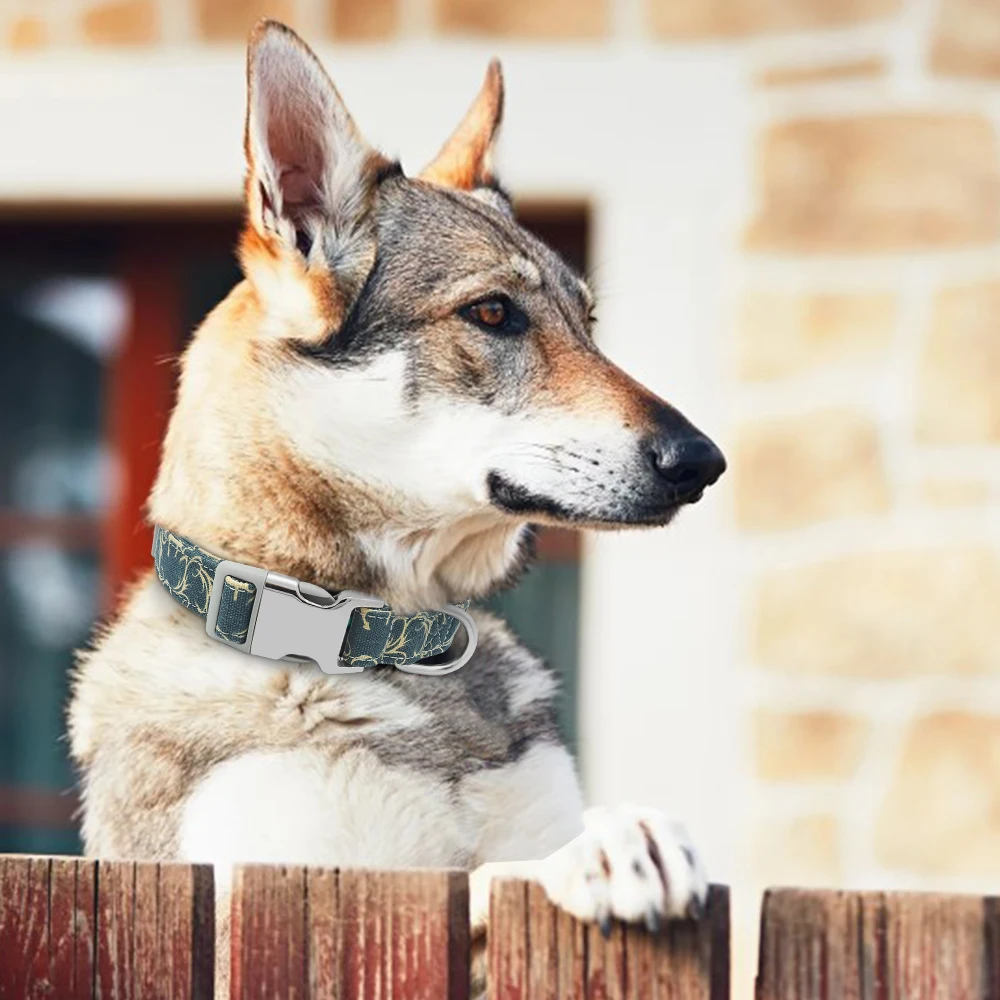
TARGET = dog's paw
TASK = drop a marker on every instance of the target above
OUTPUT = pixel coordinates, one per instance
(630, 863)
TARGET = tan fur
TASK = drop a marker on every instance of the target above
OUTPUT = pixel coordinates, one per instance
(574, 382)
(226, 478)
(301, 301)
(465, 160)
(348, 425)
(230, 481)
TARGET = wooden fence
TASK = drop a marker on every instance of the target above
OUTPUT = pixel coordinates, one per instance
(75, 929)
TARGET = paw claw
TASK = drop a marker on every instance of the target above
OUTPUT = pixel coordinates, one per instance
(605, 924)
(695, 908)
(652, 921)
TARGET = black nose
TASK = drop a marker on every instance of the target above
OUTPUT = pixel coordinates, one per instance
(687, 464)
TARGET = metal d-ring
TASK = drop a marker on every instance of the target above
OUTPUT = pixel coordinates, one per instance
(472, 637)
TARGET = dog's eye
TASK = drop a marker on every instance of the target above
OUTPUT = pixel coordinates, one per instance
(492, 313)
(496, 314)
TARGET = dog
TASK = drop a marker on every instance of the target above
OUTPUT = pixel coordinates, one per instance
(404, 384)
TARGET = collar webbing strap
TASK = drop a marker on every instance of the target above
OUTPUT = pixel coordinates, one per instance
(375, 635)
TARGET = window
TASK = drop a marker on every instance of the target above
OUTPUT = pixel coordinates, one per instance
(62, 319)
(91, 313)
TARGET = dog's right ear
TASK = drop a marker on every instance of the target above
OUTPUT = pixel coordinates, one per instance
(311, 180)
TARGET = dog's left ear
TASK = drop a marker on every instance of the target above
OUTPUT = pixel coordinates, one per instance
(311, 179)
(466, 159)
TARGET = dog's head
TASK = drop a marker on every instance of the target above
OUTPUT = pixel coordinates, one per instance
(412, 339)
(433, 347)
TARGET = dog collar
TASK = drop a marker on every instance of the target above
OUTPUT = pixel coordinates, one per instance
(269, 614)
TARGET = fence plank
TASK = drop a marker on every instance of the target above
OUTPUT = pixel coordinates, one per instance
(77, 929)
(155, 931)
(537, 952)
(46, 927)
(324, 932)
(878, 946)
(319, 934)
(72, 924)
(186, 923)
(115, 894)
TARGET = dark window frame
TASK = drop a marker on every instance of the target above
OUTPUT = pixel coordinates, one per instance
(149, 247)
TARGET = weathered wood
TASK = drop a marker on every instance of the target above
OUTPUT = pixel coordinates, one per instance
(536, 952)
(319, 934)
(878, 946)
(155, 931)
(116, 930)
(46, 927)
(77, 929)
(72, 925)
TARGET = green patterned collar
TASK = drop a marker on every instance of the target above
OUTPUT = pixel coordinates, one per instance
(272, 615)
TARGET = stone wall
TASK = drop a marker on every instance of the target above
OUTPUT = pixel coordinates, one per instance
(866, 364)
(867, 360)
(861, 375)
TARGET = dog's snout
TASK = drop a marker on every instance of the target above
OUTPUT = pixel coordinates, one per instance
(688, 465)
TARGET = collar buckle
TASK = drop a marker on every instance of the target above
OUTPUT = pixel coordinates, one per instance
(290, 619)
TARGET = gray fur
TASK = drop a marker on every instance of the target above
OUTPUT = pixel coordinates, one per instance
(310, 481)
(472, 725)
(147, 764)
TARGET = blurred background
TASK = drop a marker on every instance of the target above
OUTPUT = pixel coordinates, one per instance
(790, 210)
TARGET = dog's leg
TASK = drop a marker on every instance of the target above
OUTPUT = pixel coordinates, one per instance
(629, 863)
(308, 807)
(625, 863)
